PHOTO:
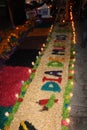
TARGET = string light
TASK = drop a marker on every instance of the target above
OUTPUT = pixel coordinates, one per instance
(72, 83)
(32, 63)
(51, 28)
(71, 94)
(17, 28)
(6, 114)
(22, 81)
(73, 26)
(43, 45)
(42, 49)
(72, 71)
(16, 95)
(74, 52)
(8, 40)
(36, 57)
(39, 53)
(69, 108)
(74, 59)
(63, 21)
(68, 120)
(72, 65)
(29, 71)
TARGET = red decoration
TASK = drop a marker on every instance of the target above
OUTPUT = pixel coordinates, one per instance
(52, 79)
(45, 101)
(33, 71)
(10, 83)
(20, 99)
(70, 77)
(59, 48)
(64, 123)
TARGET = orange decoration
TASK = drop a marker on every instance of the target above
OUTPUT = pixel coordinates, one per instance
(7, 128)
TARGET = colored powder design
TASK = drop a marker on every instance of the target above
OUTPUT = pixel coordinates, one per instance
(54, 73)
(49, 104)
(58, 44)
(61, 37)
(51, 86)
(56, 59)
(51, 101)
(58, 52)
(25, 125)
(55, 64)
(43, 102)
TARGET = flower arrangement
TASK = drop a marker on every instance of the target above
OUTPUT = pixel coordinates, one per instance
(10, 40)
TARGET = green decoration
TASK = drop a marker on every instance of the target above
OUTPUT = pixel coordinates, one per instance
(51, 101)
(55, 64)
